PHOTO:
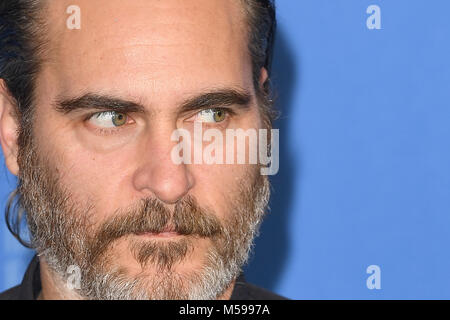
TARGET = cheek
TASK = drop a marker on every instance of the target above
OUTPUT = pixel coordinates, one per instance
(218, 186)
(92, 178)
(104, 181)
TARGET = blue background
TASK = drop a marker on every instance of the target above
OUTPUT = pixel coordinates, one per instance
(365, 157)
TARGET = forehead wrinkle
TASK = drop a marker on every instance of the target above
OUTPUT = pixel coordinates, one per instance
(143, 61)
(116, 23)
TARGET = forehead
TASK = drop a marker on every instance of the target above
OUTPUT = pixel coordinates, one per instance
(137, 47)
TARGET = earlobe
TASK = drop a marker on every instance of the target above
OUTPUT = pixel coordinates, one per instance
(264, 76)
(8, 129)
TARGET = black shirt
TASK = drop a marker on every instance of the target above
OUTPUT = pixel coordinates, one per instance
(30, 288)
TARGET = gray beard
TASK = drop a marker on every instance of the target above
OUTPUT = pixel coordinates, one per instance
(60, 235)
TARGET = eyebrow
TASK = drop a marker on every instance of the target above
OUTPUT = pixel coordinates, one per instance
(91, 101)
(218, 98)
(212, 99)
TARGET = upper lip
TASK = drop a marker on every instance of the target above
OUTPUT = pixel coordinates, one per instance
(169, 228)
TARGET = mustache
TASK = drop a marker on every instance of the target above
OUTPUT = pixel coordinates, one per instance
(151, 215)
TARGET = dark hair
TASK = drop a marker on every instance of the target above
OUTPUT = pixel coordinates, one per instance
(22, 46)
(20, 51)
(262, 28)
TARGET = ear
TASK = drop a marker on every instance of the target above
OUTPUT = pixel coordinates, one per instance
(8, 129)
(264, 76)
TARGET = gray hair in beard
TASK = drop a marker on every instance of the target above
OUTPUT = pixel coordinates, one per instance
(63, 234)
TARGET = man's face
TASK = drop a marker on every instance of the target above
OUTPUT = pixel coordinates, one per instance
(152, 59)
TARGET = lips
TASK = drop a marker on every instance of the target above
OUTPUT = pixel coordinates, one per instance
(160, 235)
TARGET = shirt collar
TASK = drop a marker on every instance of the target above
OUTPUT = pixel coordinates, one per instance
(31, 283)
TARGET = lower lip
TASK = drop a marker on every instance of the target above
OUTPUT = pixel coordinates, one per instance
(160, 235)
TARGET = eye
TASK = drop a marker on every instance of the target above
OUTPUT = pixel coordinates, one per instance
(109, 119)
(212, 115)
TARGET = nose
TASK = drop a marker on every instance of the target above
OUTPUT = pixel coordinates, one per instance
(158, 174)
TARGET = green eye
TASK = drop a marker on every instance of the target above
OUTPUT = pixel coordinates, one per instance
(119, 119)
(212, 115)
(109, 119)
(219, 115)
